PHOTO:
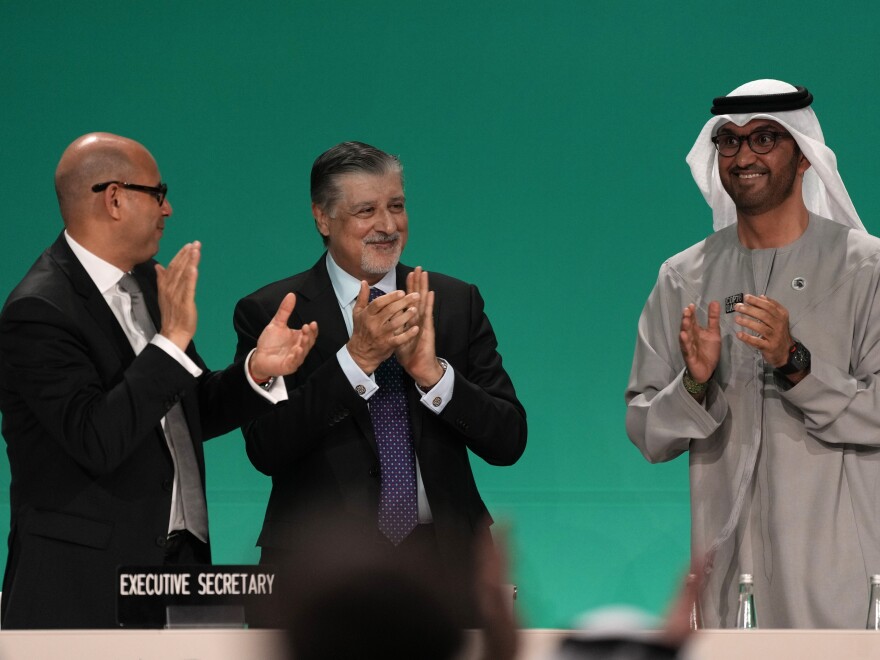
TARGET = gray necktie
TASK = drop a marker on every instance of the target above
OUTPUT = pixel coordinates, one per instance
(192, 497)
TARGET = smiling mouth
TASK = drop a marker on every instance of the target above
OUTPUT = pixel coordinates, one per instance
(748, 175)
(382, 243)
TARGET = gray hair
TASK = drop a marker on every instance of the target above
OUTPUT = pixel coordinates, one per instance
(347, 158)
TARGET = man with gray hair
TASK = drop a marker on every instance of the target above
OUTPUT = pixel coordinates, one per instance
(403, 381)
(758, 352)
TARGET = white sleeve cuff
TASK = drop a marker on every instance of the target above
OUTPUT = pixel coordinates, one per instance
(361, 383)
(437, 398)
(274, 391)
(171, 348)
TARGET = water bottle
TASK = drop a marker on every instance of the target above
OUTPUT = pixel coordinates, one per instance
(695, 616)
(746, 616)
(874, 604)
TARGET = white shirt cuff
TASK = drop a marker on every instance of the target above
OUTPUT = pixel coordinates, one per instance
(361, 383)
(440, 395)
(275, 392)
(171, 348)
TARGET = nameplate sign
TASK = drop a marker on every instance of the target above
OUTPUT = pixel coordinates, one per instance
(210, 596)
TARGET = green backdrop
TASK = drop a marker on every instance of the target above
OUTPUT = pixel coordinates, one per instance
(544, 148)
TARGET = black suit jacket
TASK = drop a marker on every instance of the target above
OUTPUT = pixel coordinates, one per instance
(319, 446)
(91, 471)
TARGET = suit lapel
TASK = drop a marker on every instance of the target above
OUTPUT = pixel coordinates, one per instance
(93, 301)
(98, 308)
(316, 301)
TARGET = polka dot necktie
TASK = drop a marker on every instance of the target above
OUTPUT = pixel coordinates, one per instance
(398, 497)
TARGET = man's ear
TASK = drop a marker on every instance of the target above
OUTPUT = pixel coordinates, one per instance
(322, 220)
(113, 200)
(803, 164)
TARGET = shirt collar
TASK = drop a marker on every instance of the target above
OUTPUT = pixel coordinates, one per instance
(346, 287)
(104, 274)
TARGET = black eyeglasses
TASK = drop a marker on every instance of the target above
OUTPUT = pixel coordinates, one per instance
(761, 142)
(158, 192)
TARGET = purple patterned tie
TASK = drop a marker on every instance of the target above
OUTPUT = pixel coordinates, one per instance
(398, 496)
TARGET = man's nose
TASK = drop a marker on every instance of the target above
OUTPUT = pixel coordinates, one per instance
(745, 155)
(385, 221)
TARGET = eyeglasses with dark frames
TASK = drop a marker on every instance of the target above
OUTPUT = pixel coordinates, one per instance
(159, 192)
(761, 142)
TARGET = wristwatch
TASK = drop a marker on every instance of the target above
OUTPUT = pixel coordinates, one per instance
(798, 359)
(445, 365)
(692, 385)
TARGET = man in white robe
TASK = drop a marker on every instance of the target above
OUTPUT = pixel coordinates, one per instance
(758, 353)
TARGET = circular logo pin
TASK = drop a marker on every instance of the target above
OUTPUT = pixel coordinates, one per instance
(799, 284)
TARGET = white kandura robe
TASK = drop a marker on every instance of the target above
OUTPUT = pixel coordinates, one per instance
(793, 473)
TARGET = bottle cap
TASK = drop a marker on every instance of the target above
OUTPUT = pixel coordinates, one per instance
(875, 579)
(747, 578)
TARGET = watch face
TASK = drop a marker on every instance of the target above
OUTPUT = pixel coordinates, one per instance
(798, 360)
